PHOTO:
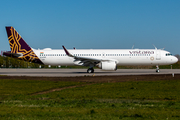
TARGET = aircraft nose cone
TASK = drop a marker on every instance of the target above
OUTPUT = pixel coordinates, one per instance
(175, 59)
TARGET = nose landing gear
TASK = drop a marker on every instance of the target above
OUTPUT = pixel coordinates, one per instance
(157, 69)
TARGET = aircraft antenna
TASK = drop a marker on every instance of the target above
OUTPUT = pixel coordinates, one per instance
(163, 48)
(133, 47)
(154, 46)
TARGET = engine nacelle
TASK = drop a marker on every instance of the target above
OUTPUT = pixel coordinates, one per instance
(107, 66)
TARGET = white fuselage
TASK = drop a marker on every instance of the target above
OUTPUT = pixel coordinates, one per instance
(121, 56)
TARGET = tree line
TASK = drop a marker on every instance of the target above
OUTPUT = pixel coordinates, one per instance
(8, 62)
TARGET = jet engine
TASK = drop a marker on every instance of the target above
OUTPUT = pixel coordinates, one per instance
(107, 65)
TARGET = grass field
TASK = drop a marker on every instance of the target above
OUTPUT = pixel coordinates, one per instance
(82, 98)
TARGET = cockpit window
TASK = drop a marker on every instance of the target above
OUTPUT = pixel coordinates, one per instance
(168, 54)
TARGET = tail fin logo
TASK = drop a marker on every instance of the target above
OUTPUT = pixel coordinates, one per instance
(18, 45)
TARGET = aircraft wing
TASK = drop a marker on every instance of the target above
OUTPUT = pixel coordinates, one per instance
(85, 61)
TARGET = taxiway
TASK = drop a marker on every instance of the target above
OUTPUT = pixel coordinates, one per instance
(82, 72)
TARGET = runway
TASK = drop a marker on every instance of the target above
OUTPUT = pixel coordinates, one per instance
(82, 72)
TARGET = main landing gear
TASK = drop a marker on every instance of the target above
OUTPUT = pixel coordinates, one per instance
(157, 68)
(90, 70)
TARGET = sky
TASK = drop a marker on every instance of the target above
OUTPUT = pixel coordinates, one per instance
(93, 24)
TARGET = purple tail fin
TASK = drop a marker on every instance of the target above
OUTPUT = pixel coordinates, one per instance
(19, 46)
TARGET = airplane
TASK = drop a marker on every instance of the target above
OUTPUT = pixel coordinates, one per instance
(105, 59)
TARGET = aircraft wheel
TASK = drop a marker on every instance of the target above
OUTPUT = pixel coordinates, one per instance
(157, 71)
(90, 70)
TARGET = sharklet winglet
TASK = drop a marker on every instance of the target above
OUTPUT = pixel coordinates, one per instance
(67, 52)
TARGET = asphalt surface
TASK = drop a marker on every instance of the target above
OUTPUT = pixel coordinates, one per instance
(82, 72)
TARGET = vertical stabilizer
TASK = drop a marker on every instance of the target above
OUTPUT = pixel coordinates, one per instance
(19, 46)
(17, 43)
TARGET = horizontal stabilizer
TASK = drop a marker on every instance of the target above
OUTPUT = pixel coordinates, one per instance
(12, 54)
